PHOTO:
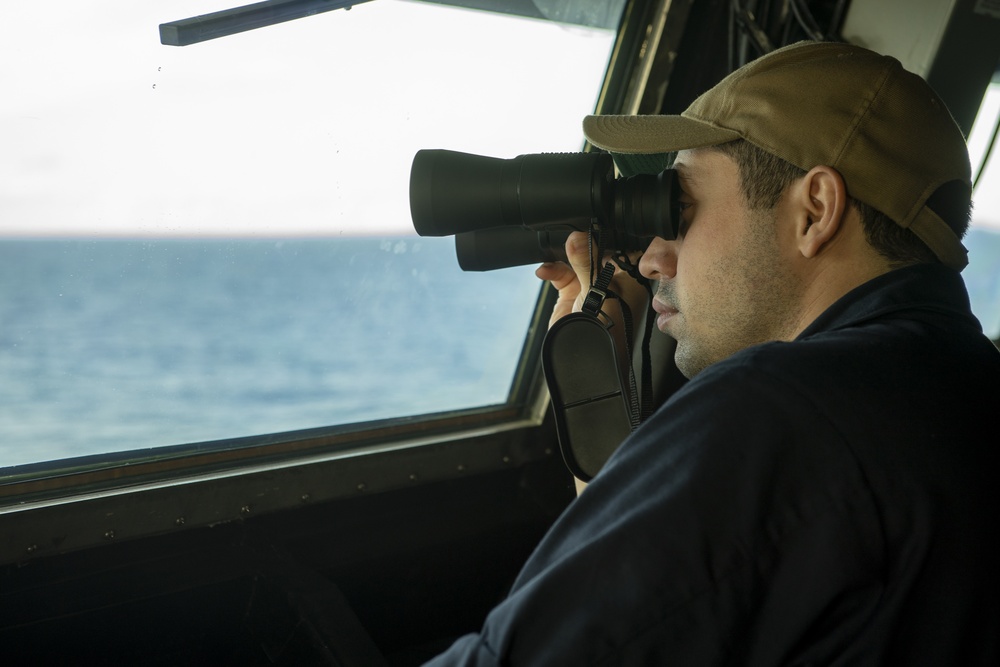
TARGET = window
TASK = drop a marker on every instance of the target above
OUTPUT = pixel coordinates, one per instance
(214, 241)
(982, 276)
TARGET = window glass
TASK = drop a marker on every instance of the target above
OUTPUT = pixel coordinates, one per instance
(214, 241)
(982, 276)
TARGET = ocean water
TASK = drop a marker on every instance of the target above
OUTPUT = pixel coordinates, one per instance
(111, 345)
(982, 277)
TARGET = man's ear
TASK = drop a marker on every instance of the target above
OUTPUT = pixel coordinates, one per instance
(821, 200)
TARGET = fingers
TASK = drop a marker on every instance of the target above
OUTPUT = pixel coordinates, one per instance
(573, 279)
(564, 279)
(557, 273)
(569, 279)
(578, 254)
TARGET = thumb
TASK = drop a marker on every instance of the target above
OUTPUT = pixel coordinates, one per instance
(578, 255)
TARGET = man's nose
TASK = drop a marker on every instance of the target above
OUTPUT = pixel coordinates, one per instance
(659, 260)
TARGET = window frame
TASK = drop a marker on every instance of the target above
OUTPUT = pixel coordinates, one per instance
(76, 503)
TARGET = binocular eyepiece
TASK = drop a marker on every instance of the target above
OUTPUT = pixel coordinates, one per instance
(508, 212)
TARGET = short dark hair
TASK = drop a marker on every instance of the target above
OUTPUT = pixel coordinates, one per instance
(764, 177)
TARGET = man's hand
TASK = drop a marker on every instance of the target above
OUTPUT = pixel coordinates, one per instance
(573, 282)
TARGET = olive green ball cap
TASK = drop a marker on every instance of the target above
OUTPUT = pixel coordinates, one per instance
(823, 103)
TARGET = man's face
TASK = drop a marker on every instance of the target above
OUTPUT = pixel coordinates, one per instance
(722, 283)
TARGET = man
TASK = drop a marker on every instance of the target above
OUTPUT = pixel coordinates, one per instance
(821, 491)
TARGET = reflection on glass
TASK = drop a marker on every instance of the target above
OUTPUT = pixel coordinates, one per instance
(214, 241)
(982, 276)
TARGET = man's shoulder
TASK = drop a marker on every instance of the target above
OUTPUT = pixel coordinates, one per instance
(895, 346)
(762, 398)
(766, 371)
(873, 390)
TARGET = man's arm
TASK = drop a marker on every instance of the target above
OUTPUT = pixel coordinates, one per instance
(701, 543)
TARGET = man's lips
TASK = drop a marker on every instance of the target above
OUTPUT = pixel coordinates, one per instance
(664, 313)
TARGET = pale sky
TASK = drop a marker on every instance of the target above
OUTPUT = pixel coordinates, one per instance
(307, 127)
(986, 202)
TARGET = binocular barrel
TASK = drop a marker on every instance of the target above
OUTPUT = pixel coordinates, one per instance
(508, 212)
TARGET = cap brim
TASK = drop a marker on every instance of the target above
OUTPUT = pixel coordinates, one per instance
(653, 134)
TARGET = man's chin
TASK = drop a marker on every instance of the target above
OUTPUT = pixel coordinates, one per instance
(685, 362)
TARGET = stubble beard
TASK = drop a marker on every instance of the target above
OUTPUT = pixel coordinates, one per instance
(752, 302)
(686, 353)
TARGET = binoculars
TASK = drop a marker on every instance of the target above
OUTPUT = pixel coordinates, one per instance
(510, 212)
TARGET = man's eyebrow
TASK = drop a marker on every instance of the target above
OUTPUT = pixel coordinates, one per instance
(686, 174)
(682, 166)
